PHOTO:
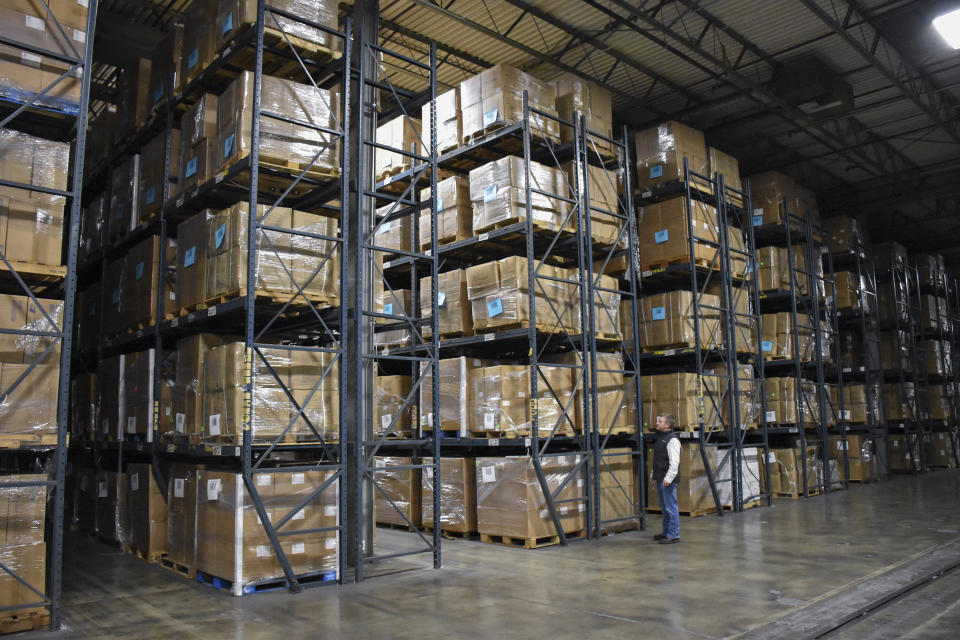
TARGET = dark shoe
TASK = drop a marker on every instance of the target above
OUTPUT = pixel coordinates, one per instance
(670, 540)
(658, 537)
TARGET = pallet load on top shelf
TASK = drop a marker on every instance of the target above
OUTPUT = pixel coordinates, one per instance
(846, 234)
(23, 550)
(494, 98)
(574, 94)
(449, 124)
(164, 66)
(727, 166)
(931, 271)
(404, 133)
(31, 222)
(235, 15)
(661, 151)
(511, 508)
(24, 74)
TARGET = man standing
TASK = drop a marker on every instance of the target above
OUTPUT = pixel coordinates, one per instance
(666, 463)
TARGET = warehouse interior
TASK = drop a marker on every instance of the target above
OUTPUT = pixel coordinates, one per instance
(317, 316)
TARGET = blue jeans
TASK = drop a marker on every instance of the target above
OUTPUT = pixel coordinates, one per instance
(667, 496)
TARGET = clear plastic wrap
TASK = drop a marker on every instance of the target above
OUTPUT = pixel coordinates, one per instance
(113, 286)
(83, 406)
(284, 261)
(92, 227)
(231, 540)
(146, 511)
(165, 65)
(29, 412)
(397, 233)
(20, 313)
(846, 234)
(894, 351)
(198, 145)
(498, 195)
(234, 15)
(938, 357)
(281, 142)
(667, 320)
(112, 506)
(454, 317)
(395, 302)
(457, 394)
(930, 270)
(449, 122)
(141, 279)
(458, 494)
(13, 315)
(857, 409)
(390, 394)
(890, 256)
(574, 94)
(136, 417)
(663, 233)
(502, 400)
(511, 503)
(676, 394)
(848, 286)
(693, 487)
(790, 463)
(494, 98)
(187, 394)
(774, 270)
(498, 293)
(199, 40)
(728, 167)
(937, 399)
(302, 373)
(182, 514)
(662, 149)
(605, 187)
(606, 306)
(933, 313)
(768, 193)
(900, 401)
(191, 263)
(24, 509)
(721, 385)
(454, 212)
(151, 174)
(28, 562)
(124, 198)
(892, 303)
(402, 133)
(401, 487)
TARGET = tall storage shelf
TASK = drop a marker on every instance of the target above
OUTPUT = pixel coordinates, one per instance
(700, 320)
(229, 351)
(43, 126)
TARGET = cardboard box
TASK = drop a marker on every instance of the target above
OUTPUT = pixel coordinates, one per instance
(124, 198)
(454, 212)
(663, 233)
(693, 487)
(396, 233)
(846, 234)
(182, 514)
(141, 279)
(83, 406)
(940, 450)
(729, 167)
(29, 563)
(133, 87)
(233, 16)
(449, 122)
(30, 409)
(457, 397)
(494, 98)
(770, 192)
(92, 227)
(191, 263)
(661, 151)
(511, 503)
(189, 384)
(402, 488)
(136, 417)
(576, 95)
(151, 174)
(199, 40)
(454, 311)
(112, 506)
(391, 416)
(458, 494)
(904, 452)
(24, 510)
(667, 319)
(13, 315)
(31, 230)
(146, 511)
(498, 195)
(403, 134)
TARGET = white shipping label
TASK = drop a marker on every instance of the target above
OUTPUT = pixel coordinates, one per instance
(213, 424)
(771, 458)
(771, 416)
(381, 463)
(263, 551)
(299, 515)
(29, 59)
(384, 421)
(80, 36)
(106, 425)
(178, 487)
(579, 482)
(297, 478)
(134, 481)
(132, 424)
(213, 489)
(298, 547)
(564, 509)
(582, 508)
(102, 489)
(181, 421)
(846, 414)
(489, 420)
(562, 460)
(330, 510)
(34, 22)
(544, 513)
(841, 446)
(263, 480)
(330, 543)
(429, 472)
(488, 474)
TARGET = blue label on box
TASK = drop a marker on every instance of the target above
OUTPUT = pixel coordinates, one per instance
(489, 117)
(151, 195)
(139, 271)
(490, 193)
(495, 307)
(658, 313)
(659, 237)
(228, 145)
(657, 171)
(227, 23)
(388, 308)
(189, 257)
(219, 235)
(758, 220)
(193, 58)
(116, 296)
(441, 298)
(439, 203)
(191, 167)
(766, 345)
(118, 213)
(158, 93)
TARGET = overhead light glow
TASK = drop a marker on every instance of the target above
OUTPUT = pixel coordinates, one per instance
(948, 26)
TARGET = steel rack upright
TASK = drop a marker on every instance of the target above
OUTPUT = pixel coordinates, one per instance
(56, 120)
(287, 321)
(608, 160)
(953, 318)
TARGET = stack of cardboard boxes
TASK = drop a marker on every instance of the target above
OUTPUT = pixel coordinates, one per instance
(664, 230)
(498, 194)
(198, 143)
(401, 133)
(941, 450)
(146, 512)
(23, 548)
(861, 457)
(458, 494)
(494, 98)
(454, 212)
(668, 320)
(393, 415)
(398, 496)
(456, 380)
(502, 402)
(661, 152)
(678, 394)
(786, 469)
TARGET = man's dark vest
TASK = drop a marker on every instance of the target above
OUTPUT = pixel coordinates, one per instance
(661, 460)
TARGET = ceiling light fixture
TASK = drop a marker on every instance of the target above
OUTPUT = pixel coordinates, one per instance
(948, 26)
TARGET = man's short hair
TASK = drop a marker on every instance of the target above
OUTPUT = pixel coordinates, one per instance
(669, 419)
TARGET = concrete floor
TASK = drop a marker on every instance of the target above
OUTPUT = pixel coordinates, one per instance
(728, 576)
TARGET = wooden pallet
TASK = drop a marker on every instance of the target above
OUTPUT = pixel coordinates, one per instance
(536, 134)
(18, 441)
(544, 328)
(180, 569)
(274, 297)
(657, 267)
(274, 184)
(25, 620)
(152, 557)
(447, 433)
(41, 272)
(669, 347)
(487, 434)
(750, 505)
(398, 527)
(528, 543)
(690, 514)
(451, 535)
(796, 495)
(538, 226)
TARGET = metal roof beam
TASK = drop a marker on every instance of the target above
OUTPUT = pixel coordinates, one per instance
(446, 48)
(892, 64)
